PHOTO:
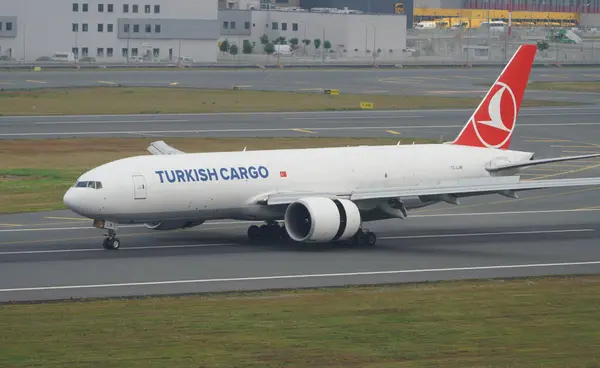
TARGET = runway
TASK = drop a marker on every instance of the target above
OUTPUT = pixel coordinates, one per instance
(551, 122)
(432, 81)
(63, 257)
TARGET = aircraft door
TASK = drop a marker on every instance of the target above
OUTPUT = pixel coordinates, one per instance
(139, 187)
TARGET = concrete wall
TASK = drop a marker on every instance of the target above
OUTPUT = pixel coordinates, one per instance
(189, 27)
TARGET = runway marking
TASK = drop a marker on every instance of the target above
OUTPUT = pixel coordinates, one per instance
(173, 83)
(244, 223)
(111, 121)
(51, 251)
(547, 141)
(303, 131)
(393, 132)
(584, 152)
(34, 81)
(106, 82)
(353, 117)
(11, 225)
(6, 83)
(67, 218)
(122, 132)
(304, 276)
(375, 91)
(561, 146)
(486, 234)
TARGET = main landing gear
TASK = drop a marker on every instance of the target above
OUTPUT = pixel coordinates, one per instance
(111, 242)
(272, 231)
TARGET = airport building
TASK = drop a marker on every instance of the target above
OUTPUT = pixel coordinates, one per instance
(348, 33)
(109, 30)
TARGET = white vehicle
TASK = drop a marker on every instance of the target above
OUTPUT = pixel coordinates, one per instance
(283, 50)
(320, 194)
(63, 56)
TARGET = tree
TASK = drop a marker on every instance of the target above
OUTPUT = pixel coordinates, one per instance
(280, 40)
(224, 46)
(247, 47)
(306, 42)
(269, 48)
(326, 45)
(317, 43)
(293, 41)
(233, 49)
(264, 39)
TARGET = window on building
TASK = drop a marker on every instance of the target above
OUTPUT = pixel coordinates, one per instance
(85, 7)
(100, 27)
(100, 52)
(75, 27)
(135, 9)
(9, 26)
(156, 52)
(294, 26)
(136, 28)
(147, 9)
(225, 25)
(148, 28)
(156, 9)
(109, 27)
(284, 26)
(157, 28)
(75, 51)
(75, 7)
(274, 25)
(84, 51)
(134, 51)
(100, 8)
(232, 25)
(124, 52)
(126, 28)
(109, 8)
(247, 25)
(84, 27)
(125, 8)
(109, 52)
(0, 26)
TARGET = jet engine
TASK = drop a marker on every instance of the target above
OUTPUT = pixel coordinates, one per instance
(173, 225)
(320, 220)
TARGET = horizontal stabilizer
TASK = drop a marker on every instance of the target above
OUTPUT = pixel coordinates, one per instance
(161, 148)
(506, 186)
(522, 164)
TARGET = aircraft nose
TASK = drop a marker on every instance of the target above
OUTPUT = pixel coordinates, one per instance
(73, 201)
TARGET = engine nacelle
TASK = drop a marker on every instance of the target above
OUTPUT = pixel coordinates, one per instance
(173, 225)
(320, 220)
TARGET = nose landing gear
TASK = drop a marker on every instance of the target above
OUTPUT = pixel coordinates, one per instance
(111, 242)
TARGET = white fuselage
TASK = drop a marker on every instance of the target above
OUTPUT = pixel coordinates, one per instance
(200, 186)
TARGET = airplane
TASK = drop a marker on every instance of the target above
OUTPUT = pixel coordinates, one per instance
(319, 195)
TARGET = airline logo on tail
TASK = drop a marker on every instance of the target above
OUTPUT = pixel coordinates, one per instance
(494, 120)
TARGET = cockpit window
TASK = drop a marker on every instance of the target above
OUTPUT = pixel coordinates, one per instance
(88, 184)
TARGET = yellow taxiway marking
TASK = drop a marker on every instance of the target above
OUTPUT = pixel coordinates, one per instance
(561, 146)
(430, 78)
(508, 200)
(567, 172)
(120, 235)
(304, 131)
(553, 76)
(310, 89)
(393, 132)
(592, 75)
(465, 77)
(34, 81)
(11, 225)
(584, 152)
(67, 218)
(547, 140)
(106, 82)
(6, 83)
(173, 83)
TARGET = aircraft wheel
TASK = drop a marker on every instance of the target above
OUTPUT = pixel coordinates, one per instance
(111, 243)
(254, 233)
(371, 238)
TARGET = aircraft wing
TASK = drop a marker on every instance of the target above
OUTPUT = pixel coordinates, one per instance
(514, 165)
(447, 191)
(161, 148)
